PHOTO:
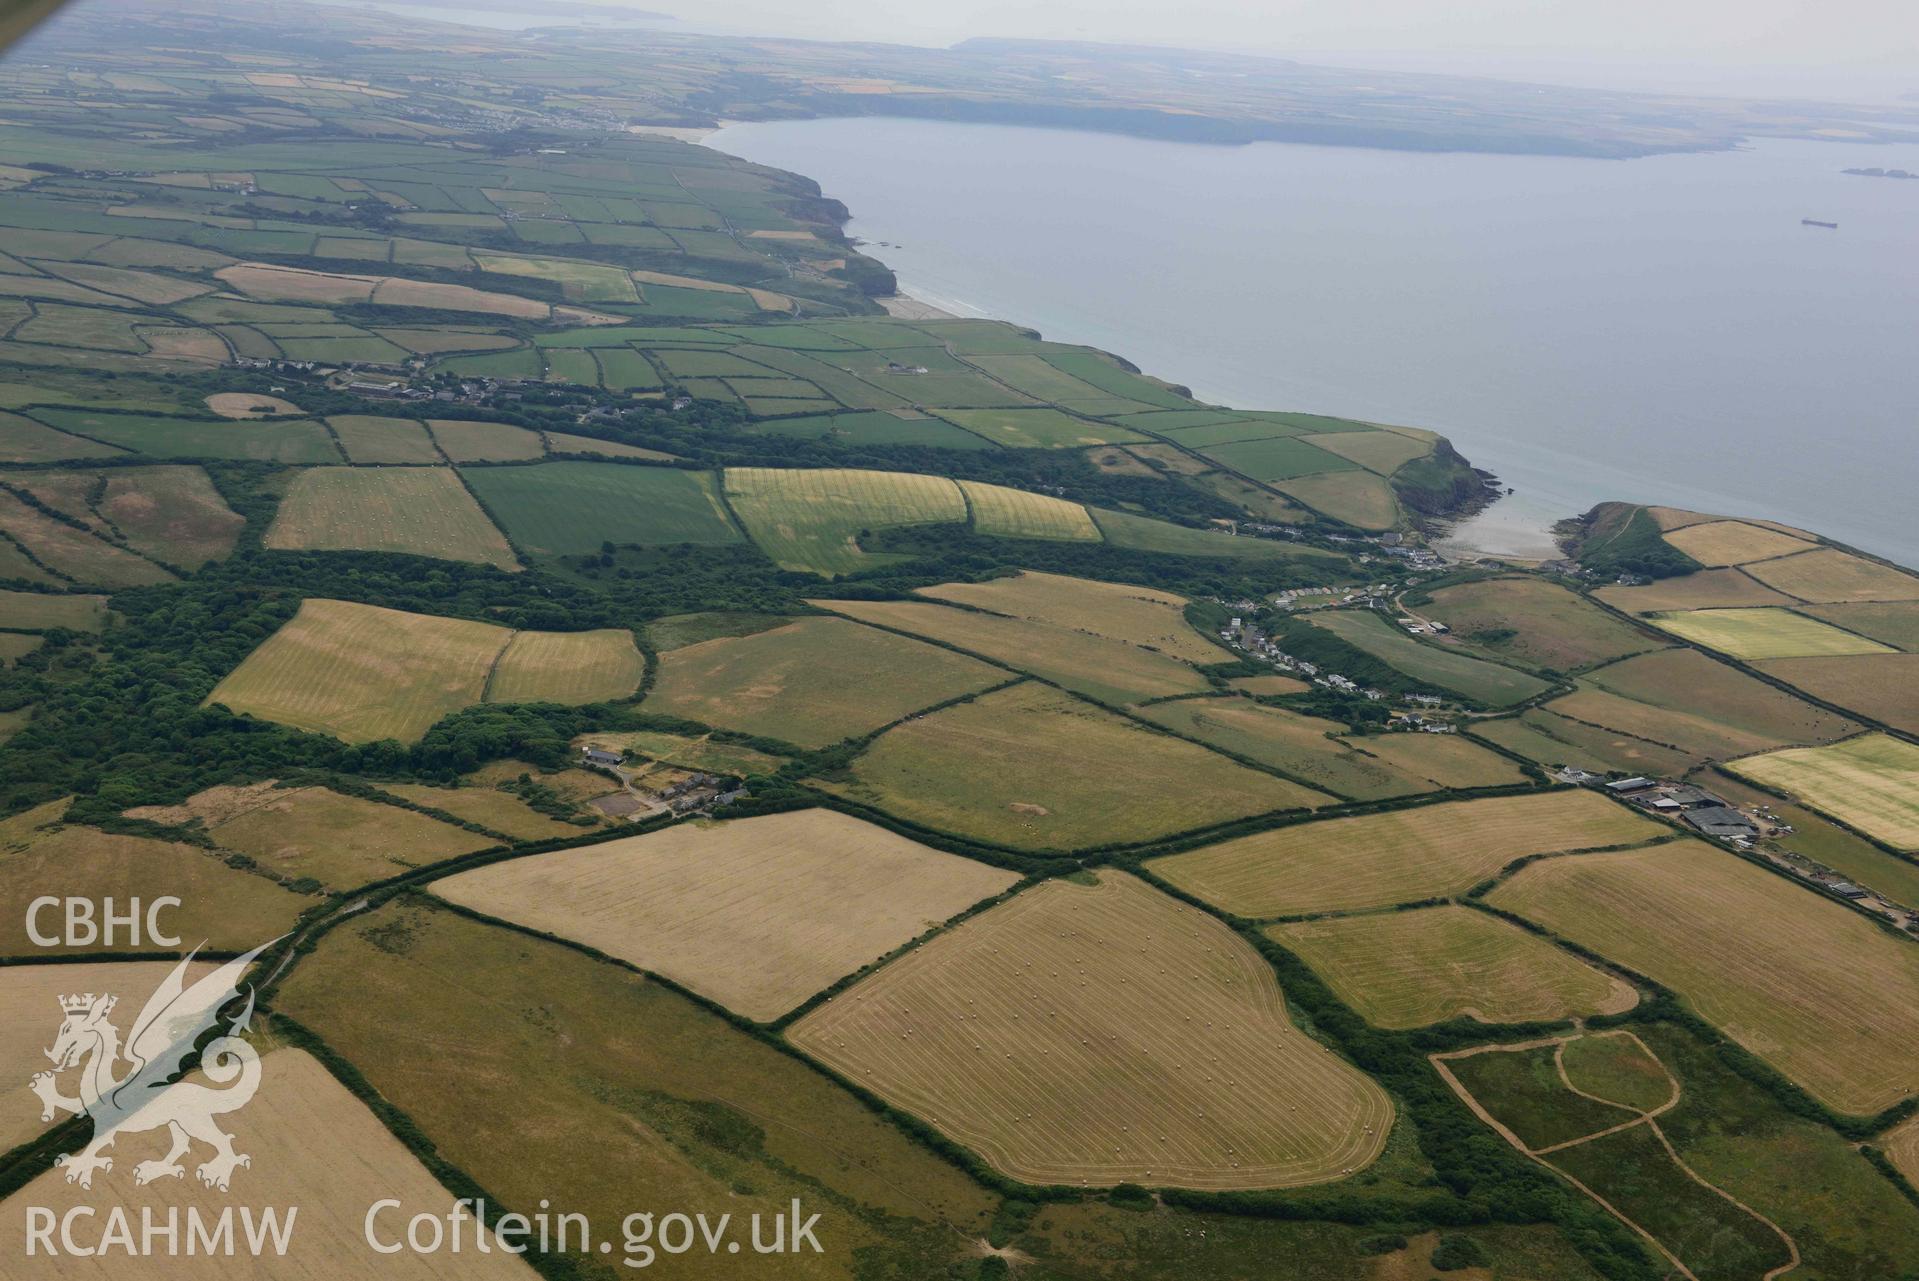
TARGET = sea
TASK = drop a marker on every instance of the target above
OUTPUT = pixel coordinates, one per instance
(1667, 329)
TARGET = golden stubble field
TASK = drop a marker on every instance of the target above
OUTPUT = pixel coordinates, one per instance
(1398, 857)
(314, 1147)
(1817, 990)
(757, 914)
(1411, 969)
(813, 681)
(1142, 616)
(30, 1008)
(1098, 1034)
(363, 672)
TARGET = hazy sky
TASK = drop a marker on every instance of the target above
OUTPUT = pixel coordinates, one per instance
(1830, 48)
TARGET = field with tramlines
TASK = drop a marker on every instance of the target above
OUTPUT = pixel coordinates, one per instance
(1102, 1034)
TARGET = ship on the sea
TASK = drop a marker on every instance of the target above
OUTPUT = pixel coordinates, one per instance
(1814, 222)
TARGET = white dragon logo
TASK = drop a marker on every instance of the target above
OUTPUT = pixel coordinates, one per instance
(163, 1037)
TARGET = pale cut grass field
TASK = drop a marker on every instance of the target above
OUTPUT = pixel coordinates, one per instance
(362, 673)
(1870, 782)
(1403, 856)
(1017, 513)
(567, 667)
(1144, 616)
(1831, 577)
(423, 511)
(1036, 769)
(500, 811)
(1413, 969)
(811, 682)
(757, 914)
(339, 840)
(1097, 666)
(314, 1146)
(1104, 1034)
(1817, 990)
(30, 1004)
(1764, 633)
(1730, 542)
(810, 519)
(1902, 1148)
(1707, 589)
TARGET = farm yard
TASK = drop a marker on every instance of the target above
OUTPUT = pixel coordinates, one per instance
(757, 914)
(1043, 1036)
(1038, 770)
(1404, 856)
(1412, 969)
(1831, 1010)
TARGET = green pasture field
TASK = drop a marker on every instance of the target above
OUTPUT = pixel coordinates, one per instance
(1522, 1090)
(1301, 747)
(1278, 458)
(291, 441)
(809, 520)
(1040, 428)
(1896, 622)
(1036, 769)
(1104, 373)
(1384, 452)
(1142, 533)
(521, 362)
(367, 348)
(1472, 678)
(623, 369)
(862, 428)
(571, 365)
(172, 513)
(811, 682)
(1744, 714)
(1537, 623)
(370, 438)
(1846, 1218)
(466, 441)
(90, 327)
(1358, 498)
(1764, 633)
(36, 611)
(1883, 686)
(22, 440)
(1550, 739)
(696, 304)
(846, 388)
(421, 511)
(705, 364)
(569, 508)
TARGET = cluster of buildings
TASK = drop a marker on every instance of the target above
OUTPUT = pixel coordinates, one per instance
(1753, 829)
